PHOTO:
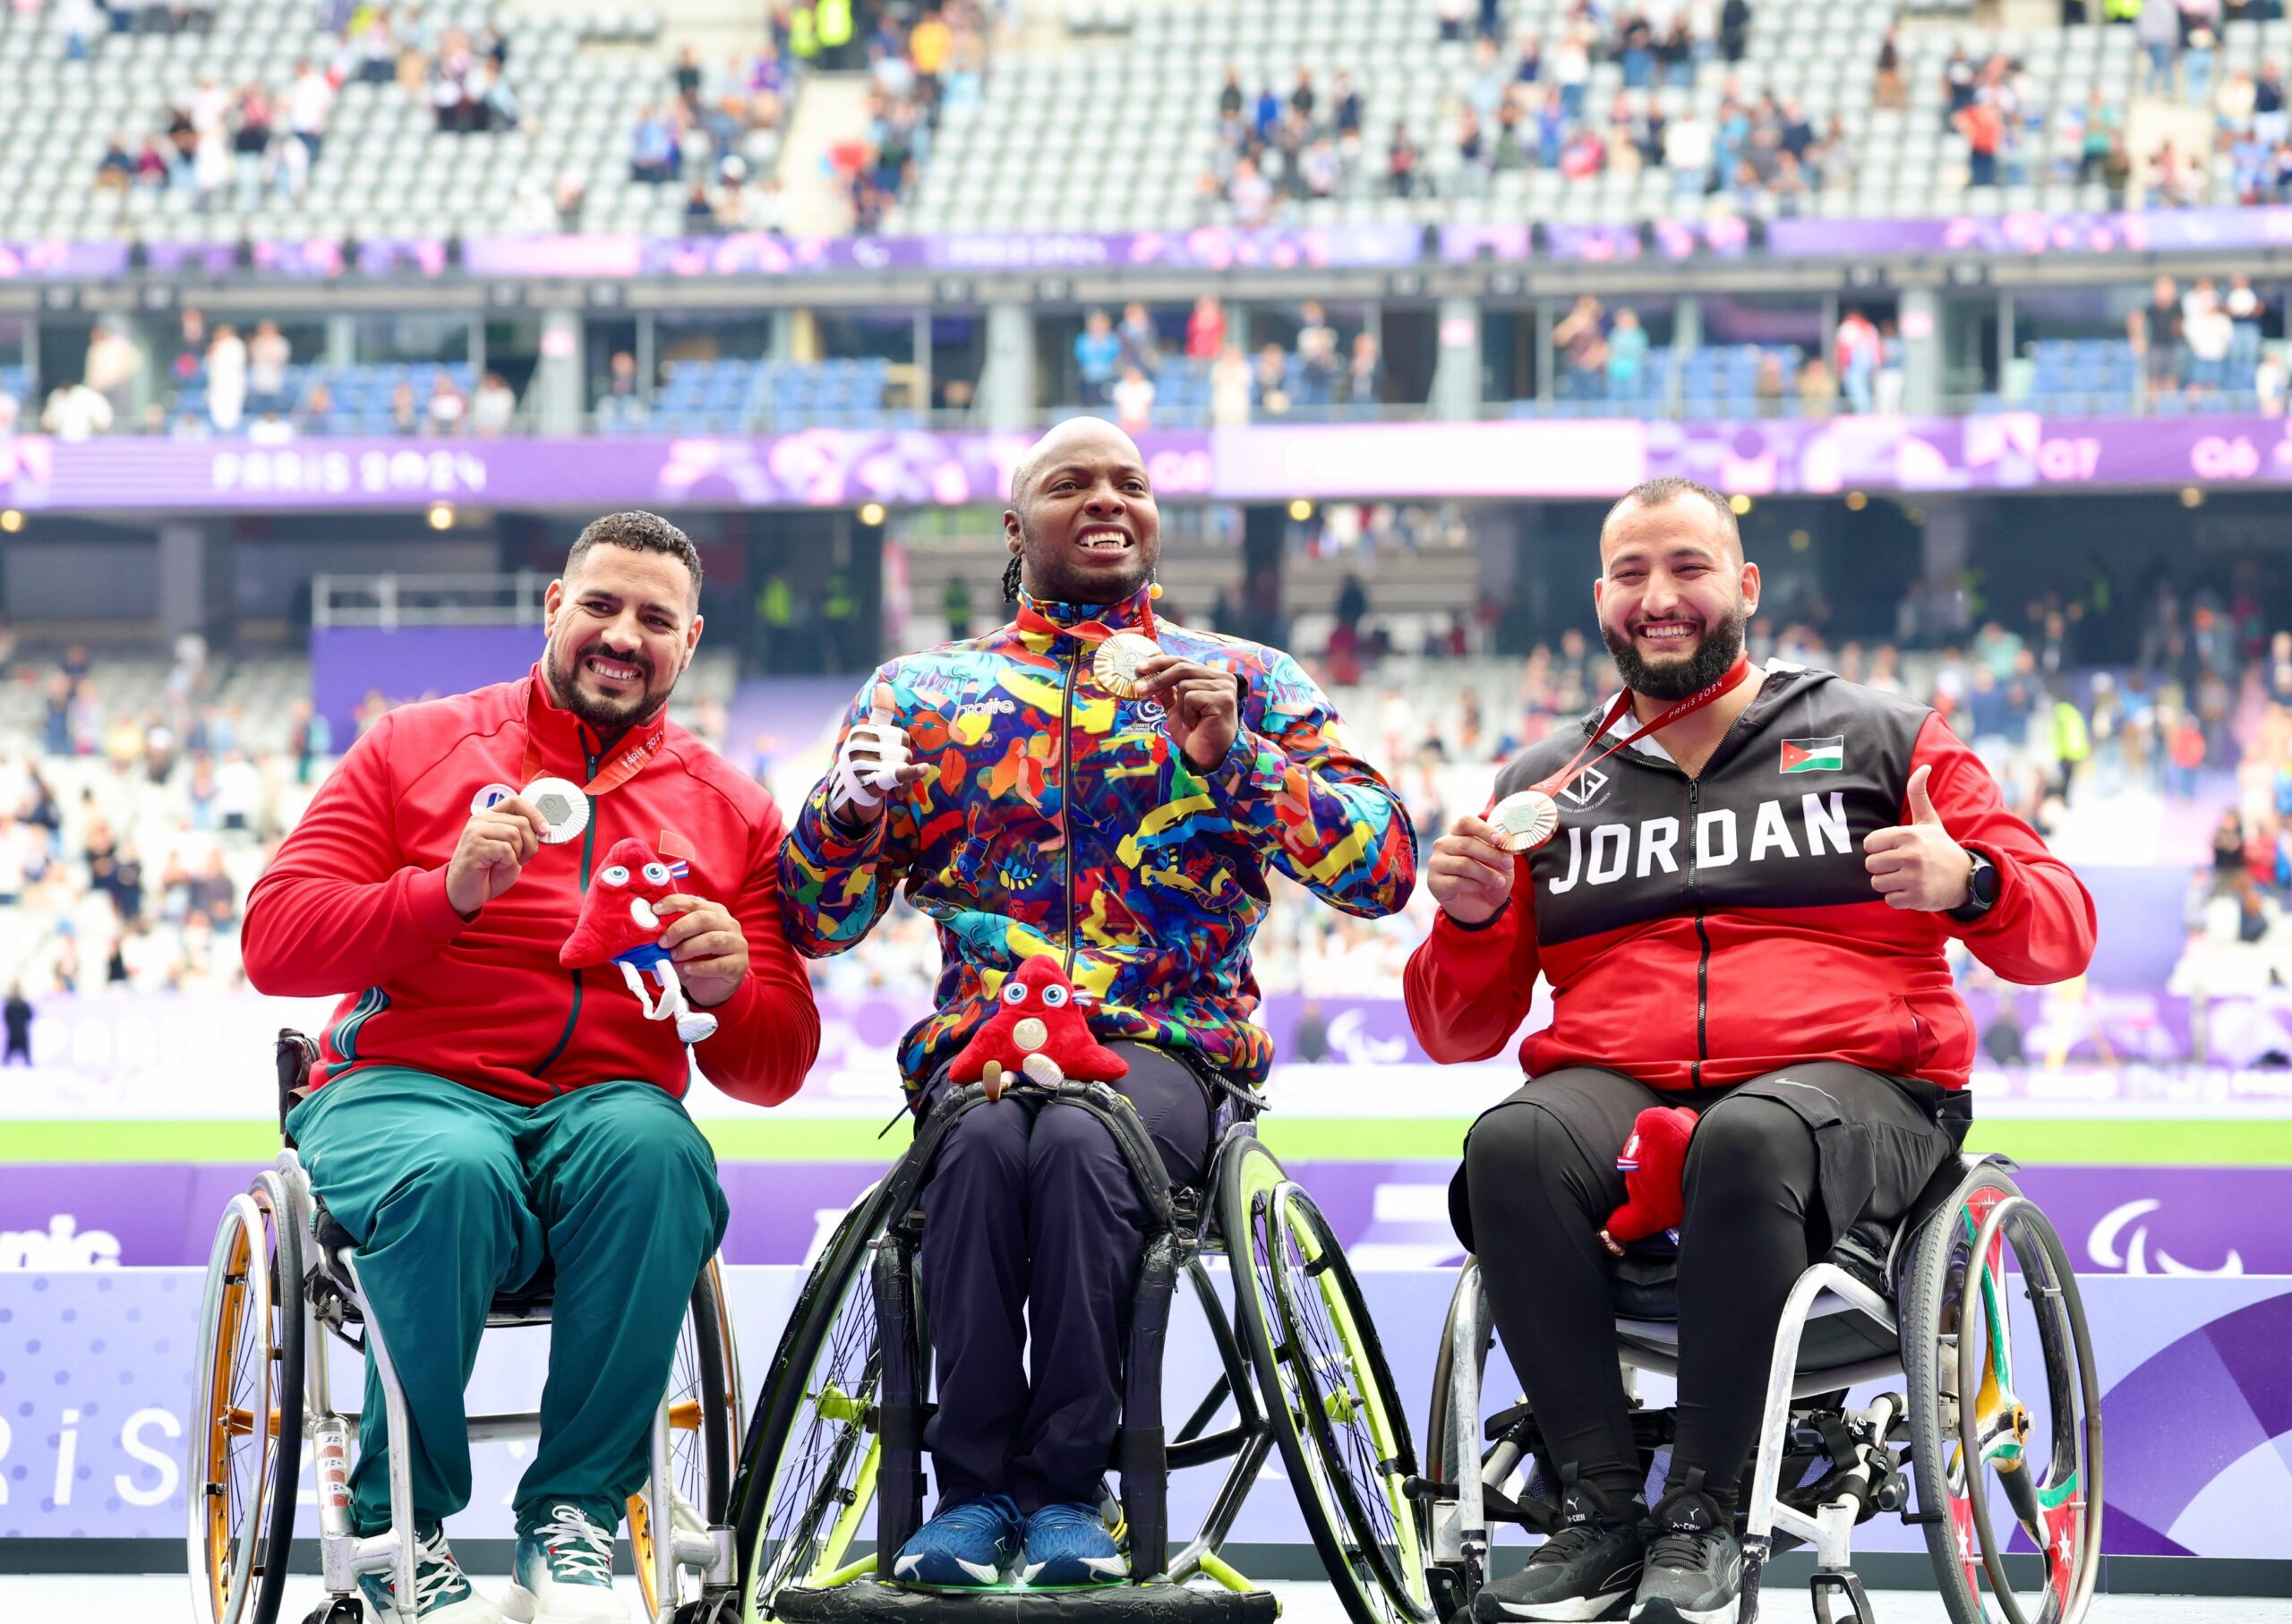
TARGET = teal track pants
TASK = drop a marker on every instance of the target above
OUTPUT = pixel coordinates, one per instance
(454, 1195)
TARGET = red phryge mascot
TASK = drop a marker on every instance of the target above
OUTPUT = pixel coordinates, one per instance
(1653, 1164)
(619, 925)
(1038, 1028)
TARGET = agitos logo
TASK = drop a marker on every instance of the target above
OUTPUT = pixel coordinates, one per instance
(2136, 1253)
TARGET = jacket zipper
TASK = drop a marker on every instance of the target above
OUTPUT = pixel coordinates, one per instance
(1702, 935)
(1065, 798)
(588, 845)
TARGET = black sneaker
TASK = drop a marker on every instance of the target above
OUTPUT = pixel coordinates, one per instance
(1587, 1570)
(1695, 1567)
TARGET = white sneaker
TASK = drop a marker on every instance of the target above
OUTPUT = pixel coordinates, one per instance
(694, 1027)
(442, 1593)
(563, 1573)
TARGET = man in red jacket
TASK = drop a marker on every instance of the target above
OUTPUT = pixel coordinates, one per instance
(1745, 913)
(480, 1111)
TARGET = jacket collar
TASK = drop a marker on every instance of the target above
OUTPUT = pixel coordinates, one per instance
(1044, 620)
(566, 742)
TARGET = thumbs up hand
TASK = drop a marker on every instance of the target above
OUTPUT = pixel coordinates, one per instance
(871, 763)
(1917, 865)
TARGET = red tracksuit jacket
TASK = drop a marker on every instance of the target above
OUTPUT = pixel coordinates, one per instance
(1701, 932)
(355, 903)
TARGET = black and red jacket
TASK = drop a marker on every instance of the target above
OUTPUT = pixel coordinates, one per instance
(1703, 931)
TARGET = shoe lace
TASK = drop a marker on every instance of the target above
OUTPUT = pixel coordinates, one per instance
(435, 1571)
(579, 1550)
(1569, 1542)
(1684, 1550)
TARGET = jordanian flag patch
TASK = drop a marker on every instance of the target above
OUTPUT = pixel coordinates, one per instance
(1813, 754)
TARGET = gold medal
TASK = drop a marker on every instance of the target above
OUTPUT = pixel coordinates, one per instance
(1526, 820)
(1116, 662)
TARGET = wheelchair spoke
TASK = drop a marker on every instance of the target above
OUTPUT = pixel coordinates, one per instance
(1348, 1412)
(826, 1476)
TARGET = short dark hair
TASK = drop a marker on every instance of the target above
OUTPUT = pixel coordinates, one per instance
(1669, 488)
(640, 531)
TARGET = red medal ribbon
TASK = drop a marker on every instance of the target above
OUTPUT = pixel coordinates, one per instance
(1034, 622)
(640, 747)
(1727, 684)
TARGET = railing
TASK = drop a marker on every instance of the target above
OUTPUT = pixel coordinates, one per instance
(391, 601)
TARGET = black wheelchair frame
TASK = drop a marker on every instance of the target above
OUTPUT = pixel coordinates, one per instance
(1288, 1390)
(1926, 1301)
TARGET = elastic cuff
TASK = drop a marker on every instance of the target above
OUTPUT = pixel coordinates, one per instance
(1967, 925)
(1252, 767)
(1497, 918)
(433, 914)
(830, 846)
(730, 1009)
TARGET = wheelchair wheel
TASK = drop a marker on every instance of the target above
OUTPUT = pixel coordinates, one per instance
(1976, 1438)
(703, 1399)
(808, 1471)
(246, 1437)
(1335, 1415)
(1455, 1580)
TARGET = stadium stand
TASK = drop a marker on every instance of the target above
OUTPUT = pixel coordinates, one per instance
(1551, 121)
(423, 132)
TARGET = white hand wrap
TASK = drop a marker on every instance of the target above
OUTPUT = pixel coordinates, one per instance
(867, 767)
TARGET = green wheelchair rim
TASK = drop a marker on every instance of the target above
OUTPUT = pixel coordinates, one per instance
(833, 1472)
(1338, 1419)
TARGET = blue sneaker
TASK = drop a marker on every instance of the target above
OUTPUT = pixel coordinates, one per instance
(964, 1547)
(1069, 1543)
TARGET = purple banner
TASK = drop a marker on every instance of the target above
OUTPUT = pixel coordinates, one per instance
(820, 467)
(763, 254)
(2161, 231)
(2164, 1221)
(838, 468)
(1204, 248)
(347, 662)
(2196, 1389)
(58, 261)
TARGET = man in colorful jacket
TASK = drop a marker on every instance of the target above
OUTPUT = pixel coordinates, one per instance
(1031, 810)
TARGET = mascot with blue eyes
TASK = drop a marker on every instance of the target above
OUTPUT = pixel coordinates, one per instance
(619, 925)
(1038, 1031)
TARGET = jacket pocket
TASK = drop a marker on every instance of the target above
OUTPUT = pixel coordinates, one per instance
(1913, 1039)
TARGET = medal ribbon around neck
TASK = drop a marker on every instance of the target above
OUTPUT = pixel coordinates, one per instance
(1033, 621)
(1529, 818)
(625, 763)
(1731, 680)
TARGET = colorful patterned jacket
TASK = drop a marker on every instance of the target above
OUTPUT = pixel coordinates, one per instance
(1146, 879)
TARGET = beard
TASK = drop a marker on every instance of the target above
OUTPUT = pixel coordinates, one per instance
(1048, 573)
(607, 716)
(1721, 646)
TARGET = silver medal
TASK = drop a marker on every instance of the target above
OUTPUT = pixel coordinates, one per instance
(489, 798)
(563, 807)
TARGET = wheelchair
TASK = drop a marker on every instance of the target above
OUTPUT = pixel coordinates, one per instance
(839, 1427)
(281, 1279)
(1927, 1302)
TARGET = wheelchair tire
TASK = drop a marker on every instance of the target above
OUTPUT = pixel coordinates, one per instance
(704, 1400)
(1455, 1583)
(241, 1473)
(1335, 1415)
(806, 1475)
(1952, 1333)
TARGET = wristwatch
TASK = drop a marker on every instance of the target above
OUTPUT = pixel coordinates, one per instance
(1981, 889)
